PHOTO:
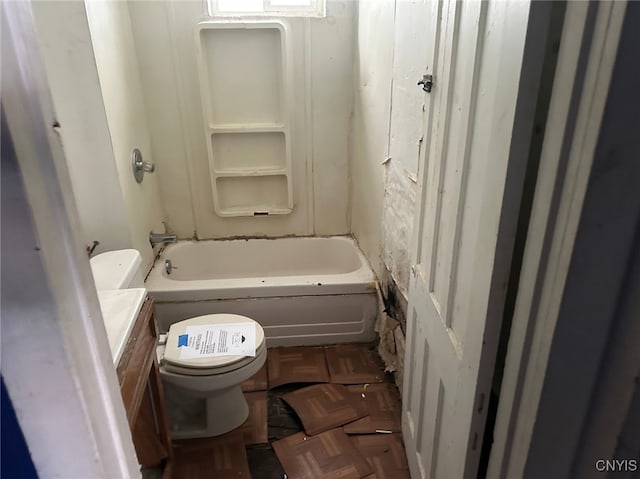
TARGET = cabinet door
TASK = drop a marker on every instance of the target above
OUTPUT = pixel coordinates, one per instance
(146, 432)
(142, 392)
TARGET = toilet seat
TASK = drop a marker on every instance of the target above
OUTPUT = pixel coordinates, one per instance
(170, 356)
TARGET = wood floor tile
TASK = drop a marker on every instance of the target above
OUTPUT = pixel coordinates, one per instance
(330, 455)
(222, 457)
(255, 429)
(354, 364)
(385, 454)
(383, 405)
(296, 365)
(257, 382)
(324, 406)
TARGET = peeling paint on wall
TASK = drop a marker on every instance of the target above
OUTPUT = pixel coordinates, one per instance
(387, 140)
(398, 210)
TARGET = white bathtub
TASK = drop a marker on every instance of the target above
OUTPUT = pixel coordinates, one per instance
(303, 291)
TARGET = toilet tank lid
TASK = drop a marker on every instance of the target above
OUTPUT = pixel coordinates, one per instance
(115, 269)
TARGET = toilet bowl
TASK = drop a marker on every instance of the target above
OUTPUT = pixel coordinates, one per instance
(204, 395)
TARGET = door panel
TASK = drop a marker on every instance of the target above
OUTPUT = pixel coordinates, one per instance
(449, 165)
(477, 48)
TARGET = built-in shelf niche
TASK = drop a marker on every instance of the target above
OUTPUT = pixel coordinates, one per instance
(246, 81)
(259, 195)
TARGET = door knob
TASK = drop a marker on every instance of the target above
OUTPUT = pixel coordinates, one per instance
(426, 82)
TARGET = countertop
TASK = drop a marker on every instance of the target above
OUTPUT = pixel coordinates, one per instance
(120, 308)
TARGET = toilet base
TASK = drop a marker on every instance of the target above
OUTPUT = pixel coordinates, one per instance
(207, 406)
(225, 411)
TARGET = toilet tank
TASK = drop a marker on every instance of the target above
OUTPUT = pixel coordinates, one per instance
(118, 269)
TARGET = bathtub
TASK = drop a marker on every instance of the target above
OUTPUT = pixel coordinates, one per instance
(303, 291)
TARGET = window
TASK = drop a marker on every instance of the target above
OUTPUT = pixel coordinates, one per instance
(275, 8)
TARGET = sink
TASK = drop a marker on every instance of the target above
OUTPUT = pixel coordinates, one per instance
(120, 308)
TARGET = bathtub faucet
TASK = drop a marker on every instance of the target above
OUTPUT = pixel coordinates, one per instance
(161, 238)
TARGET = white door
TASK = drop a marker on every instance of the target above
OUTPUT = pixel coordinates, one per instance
(459, 273)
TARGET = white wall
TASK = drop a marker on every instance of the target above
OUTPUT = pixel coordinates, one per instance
(323, 59)
(95, 85)
(332, 55)
(122, 93)
(63, 34)
(371, 116)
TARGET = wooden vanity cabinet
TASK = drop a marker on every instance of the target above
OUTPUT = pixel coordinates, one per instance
(143, 395)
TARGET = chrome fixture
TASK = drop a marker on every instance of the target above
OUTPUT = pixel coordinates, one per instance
(140, 167)
(168, 267)
(161, 238)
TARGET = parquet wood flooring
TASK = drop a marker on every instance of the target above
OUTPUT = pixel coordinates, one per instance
(222, 457)
(324, 406)
(255, 429)
(329, 455)
(297, 365)
(353, 364)
(384, 408)
(385, 454)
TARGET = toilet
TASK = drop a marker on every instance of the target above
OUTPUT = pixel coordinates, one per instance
(118, 269)
(203, 395)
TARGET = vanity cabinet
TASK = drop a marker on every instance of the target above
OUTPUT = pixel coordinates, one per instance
(142, 393)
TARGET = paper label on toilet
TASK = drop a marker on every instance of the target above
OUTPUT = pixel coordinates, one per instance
(208, 340)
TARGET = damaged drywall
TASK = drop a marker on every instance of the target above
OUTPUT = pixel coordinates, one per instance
(391, 327)
(387, 133)
(398, 209)
(387, 143)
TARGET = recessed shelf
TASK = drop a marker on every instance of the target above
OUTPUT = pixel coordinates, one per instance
(246, 84)
(249, 150)
(248, 195)
(244, 72)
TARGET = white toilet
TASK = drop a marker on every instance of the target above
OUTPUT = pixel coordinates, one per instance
(203, 394)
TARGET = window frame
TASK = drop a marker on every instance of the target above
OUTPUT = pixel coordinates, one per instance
(316, 9)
